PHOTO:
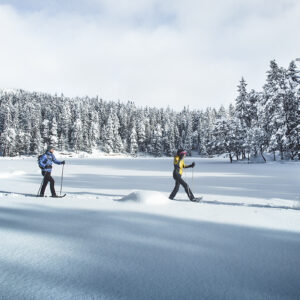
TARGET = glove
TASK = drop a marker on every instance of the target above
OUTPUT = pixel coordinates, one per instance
(63, 162)
(193, 164)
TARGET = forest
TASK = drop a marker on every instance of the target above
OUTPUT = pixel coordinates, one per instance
(255, 124)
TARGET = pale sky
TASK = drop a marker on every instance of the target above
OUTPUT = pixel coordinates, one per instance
(157, 53)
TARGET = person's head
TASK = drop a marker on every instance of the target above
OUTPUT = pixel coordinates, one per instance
(50, 149)
(181, 153)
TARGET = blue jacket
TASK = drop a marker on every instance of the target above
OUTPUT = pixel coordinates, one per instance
(46, 161)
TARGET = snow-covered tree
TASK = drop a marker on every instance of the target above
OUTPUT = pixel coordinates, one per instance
(259, 122)
(133, 145)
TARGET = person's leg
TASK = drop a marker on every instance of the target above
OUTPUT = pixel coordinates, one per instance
(45, 182)
(187, 188)
(53, 193)
(176, 188)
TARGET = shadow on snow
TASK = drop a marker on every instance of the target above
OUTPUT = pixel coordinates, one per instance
(86, 254)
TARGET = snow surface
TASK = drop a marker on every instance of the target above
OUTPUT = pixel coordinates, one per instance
(117, 235)
(146, 197)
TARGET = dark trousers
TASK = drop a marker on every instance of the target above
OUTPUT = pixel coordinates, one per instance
(47, 178)
(179, 181)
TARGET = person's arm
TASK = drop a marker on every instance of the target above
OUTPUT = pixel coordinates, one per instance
(192, 165)
(57, 161)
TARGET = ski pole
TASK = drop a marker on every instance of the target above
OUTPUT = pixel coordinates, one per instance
(40, 188)
(41, 185)
(192, 176)
(62, 177)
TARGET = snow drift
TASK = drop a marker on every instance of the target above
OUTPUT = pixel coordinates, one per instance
(146, 197)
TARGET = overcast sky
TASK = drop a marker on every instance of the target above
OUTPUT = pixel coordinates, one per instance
(157, 53)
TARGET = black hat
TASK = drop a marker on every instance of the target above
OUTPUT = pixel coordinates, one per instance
(181, 152)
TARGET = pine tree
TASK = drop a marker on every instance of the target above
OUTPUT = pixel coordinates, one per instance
(273, 100)
(53, 140)
(133, 145)
(157, 141)
(291, 111)
(108, 136)
(242, 104)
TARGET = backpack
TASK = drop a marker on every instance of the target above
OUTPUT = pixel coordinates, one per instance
(39, 160)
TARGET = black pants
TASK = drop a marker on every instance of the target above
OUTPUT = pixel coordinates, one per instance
(47, 178)
(179, 181)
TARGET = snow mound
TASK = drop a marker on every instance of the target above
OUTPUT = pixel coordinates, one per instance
(146, 197)
(297, 203)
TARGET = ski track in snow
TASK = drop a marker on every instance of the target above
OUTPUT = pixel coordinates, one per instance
(11, 174)
(116, 235)
(156, 198)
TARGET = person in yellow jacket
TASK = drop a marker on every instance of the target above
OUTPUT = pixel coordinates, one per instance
(178, 166)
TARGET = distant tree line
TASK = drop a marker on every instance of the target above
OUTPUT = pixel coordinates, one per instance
(260, 122)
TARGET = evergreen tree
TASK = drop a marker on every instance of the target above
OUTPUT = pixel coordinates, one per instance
(108, 136)
(273, 100)
(259, 122)
(53, 140)
(133, 145)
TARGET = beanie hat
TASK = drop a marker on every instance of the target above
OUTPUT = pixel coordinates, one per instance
(181, 152)
(49, 148)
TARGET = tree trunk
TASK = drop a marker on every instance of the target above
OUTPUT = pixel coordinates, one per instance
(262, 155)
(292, 155)
(243, 154)
(281, 152)
(255, 153)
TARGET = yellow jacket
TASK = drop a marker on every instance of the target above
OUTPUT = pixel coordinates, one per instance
(178, 164)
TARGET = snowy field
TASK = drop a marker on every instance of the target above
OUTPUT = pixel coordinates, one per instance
(116, 235)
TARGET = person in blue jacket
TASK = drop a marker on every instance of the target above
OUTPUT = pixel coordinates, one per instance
(45, 163)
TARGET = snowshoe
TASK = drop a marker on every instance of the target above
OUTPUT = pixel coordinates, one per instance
(58, 196)
(197, 199)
